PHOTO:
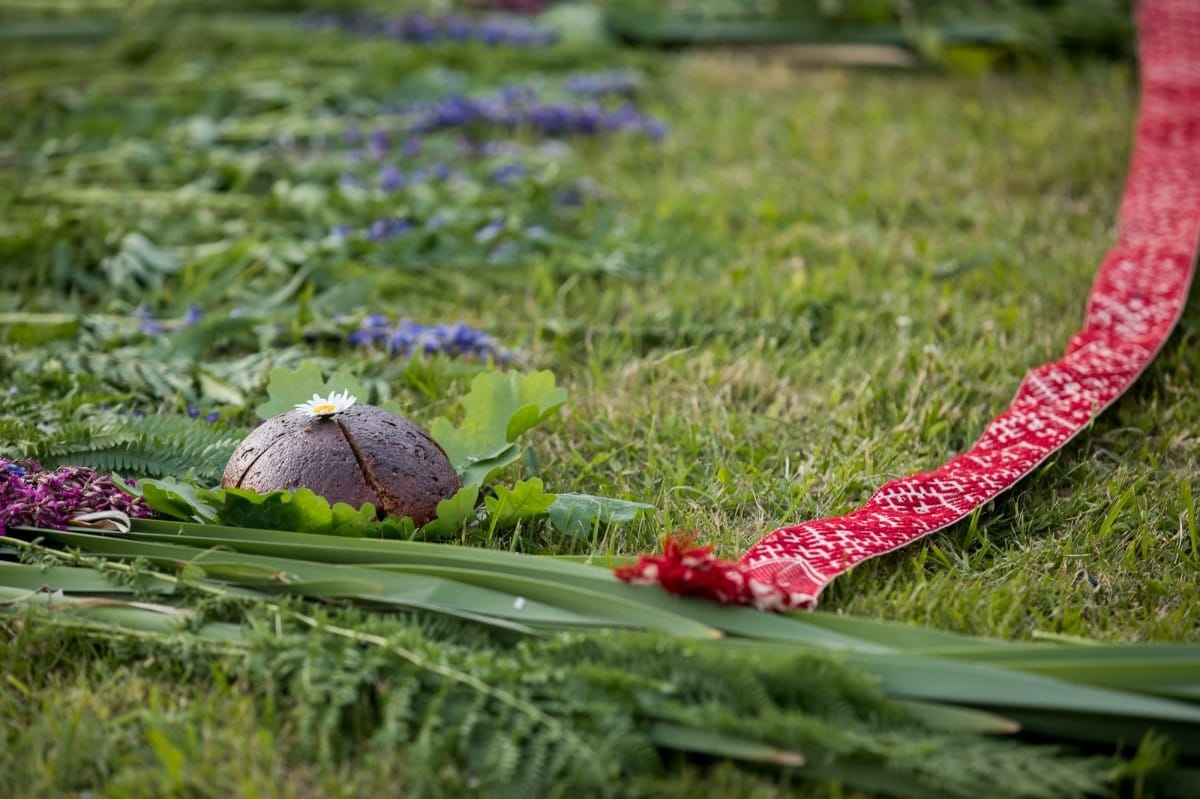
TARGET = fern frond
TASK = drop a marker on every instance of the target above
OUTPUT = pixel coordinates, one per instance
(151, 446)
(84, 437)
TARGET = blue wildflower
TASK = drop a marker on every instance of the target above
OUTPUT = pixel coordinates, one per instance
(378, 230)
(379, 143)
(514, 94)
(406, 337)
(503, 251)
(491, 149)
(655, 129)
(391, 179)
(515, 107)
(507, 173)
(192, 315)
(384, 229)
(421, 29)
(149, 323)
(489, 231)
(456, 29)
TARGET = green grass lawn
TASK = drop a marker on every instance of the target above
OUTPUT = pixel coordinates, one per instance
(818, 281)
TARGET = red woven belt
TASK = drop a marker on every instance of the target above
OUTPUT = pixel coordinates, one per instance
(1137, 298)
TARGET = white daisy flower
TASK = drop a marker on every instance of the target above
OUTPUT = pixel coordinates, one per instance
(323, 407)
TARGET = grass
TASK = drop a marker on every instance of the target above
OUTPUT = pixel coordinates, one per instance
(821, 280)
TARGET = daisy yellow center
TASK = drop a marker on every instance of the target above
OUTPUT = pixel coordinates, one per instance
(323, 407)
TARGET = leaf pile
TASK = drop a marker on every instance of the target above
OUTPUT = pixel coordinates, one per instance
(875, 706)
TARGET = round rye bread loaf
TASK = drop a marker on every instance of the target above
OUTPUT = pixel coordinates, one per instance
(358, 455)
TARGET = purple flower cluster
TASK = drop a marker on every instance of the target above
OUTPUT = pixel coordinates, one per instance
(385, 229)
(409, 152)
(418, 28)
(392, 179)
(517, 109)
(388, 229)
(153, 325)
(409, 338)
(36, 498)
(211, 417)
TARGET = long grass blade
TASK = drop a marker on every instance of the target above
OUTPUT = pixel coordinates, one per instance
(582, 600)
(386, 554)
(379, 586)
(74, 579)
(141, 617)
(707, 742)
(952, 718)
(904, 637)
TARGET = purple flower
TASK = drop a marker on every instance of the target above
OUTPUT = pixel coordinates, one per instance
(379, 143)
(449, 112)
(192, 315)
(508, 173)
(503, 251)
(424, 29)
(408, 338)
(491, 149)
(391, 179)
(421, 29)
(379, 230)
(385, 229)
(655, 129)
(513, 94)
(149, 321)
(35, 498)
(489, 231)
(516, 107)
(456, 29)
(194, 413)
